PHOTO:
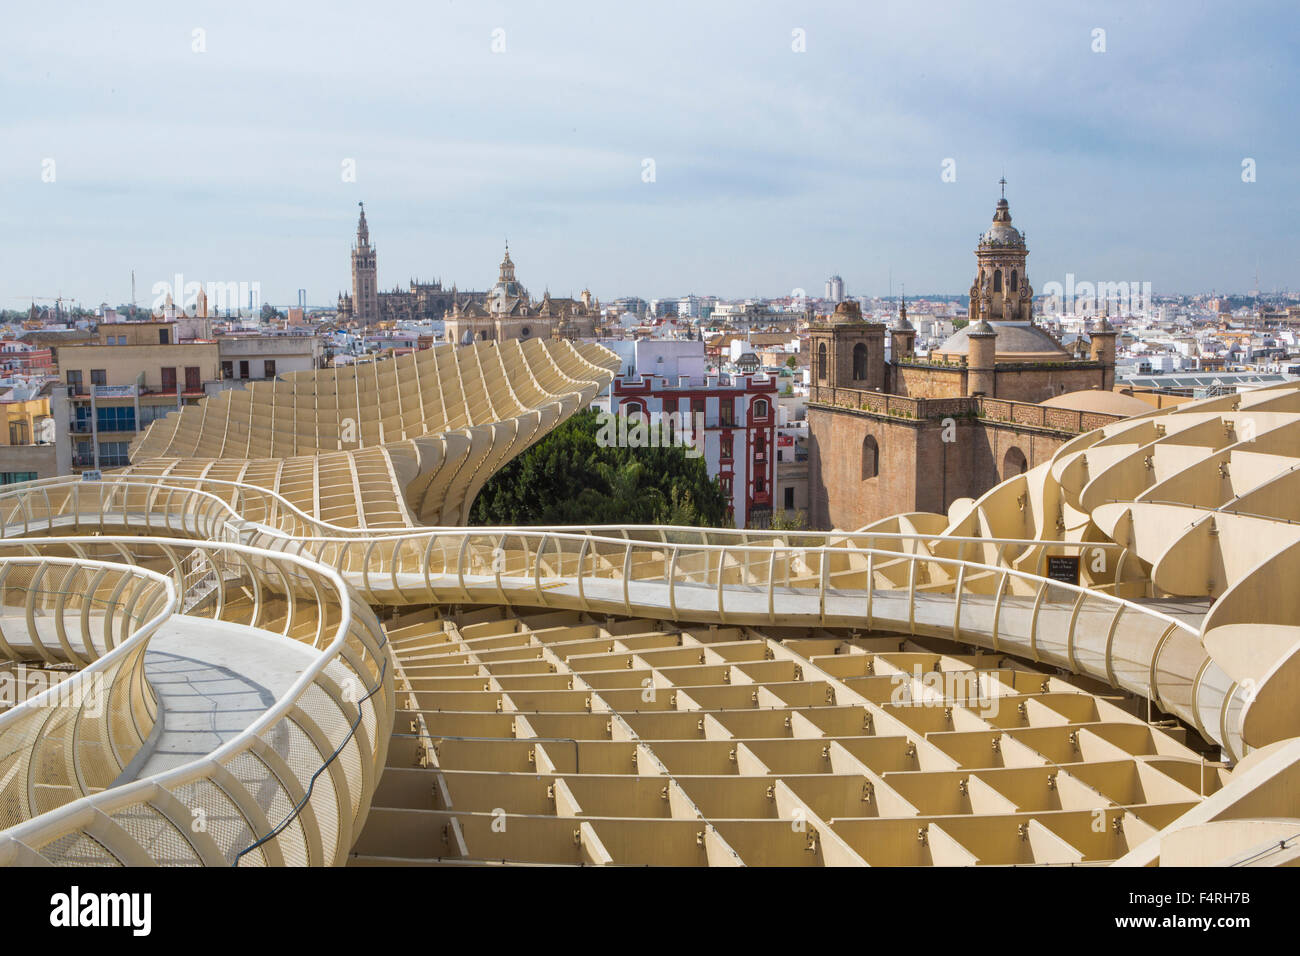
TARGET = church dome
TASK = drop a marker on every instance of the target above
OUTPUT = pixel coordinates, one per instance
(1002, 233)
(847, 311)
(508, 291)
(1016, 342)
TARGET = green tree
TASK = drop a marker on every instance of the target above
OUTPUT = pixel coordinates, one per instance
(570, 478)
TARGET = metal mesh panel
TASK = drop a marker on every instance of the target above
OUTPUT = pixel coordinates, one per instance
(156, 835)
(213, 809)
(305, 759)
(77, 849)
(269, 794)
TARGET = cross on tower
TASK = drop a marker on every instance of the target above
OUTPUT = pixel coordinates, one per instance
(1003, 182)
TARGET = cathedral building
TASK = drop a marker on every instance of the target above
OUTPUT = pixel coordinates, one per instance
(508, 312)
(894, 432)
(366, 305)
(503, 312)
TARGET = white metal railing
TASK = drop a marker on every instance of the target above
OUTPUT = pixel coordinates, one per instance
(293, 787)
(989, 592)
(79, 734)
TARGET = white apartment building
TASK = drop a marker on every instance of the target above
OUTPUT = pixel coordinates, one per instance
(739, 415)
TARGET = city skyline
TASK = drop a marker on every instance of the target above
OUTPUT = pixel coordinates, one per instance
(773, 168)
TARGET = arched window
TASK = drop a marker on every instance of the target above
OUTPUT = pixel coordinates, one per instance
(760, 408)
(859, 362)
(821, 361)
(1013, 463)
(997, 280)
(1013, 280)
(633, 409)
(870, 458)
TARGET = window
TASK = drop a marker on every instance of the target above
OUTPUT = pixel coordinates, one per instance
(859, 361)
(13, 477)
(112, 454)
(243, 368)
(727, 447)
(760, 443)
(997, 280)
(760, 408)
(1013, 280)
(117, 418)
(870, 458)
(74, 377)
(19, 433)
(163, 337)
(192, 381)
(727, 413)
(821, 361)
(268, 368)
(169, 379)
(725, 482)
(760, 485)
(524, 332)
(789, 498)
(227, 369)
(633, 409)
(98, 376)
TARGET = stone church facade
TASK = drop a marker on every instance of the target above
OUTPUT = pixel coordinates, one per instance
(916, 435)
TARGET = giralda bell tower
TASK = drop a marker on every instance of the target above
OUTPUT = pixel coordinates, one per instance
(365, 288)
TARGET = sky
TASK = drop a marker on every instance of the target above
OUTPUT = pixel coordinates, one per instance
(655, 149)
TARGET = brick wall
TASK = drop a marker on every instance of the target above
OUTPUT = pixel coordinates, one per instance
(919, 470)
(1034, 383)
(926, 381)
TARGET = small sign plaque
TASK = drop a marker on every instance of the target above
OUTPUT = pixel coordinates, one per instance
(1063, 568)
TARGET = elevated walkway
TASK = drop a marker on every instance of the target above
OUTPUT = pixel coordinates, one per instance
(213, 680)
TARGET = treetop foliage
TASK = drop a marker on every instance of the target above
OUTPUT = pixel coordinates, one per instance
(568, 478)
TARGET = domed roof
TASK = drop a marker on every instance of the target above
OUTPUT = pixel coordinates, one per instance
(1096, 400)
(1016, 342)
(503, 296)
(847, 311)
(1002, 233)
